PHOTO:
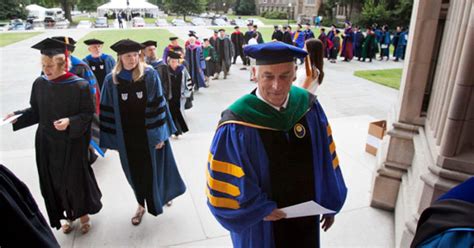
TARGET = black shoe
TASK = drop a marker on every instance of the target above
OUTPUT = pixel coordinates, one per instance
(243, 68)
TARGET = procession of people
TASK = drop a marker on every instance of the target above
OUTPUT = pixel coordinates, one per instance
(134, 102)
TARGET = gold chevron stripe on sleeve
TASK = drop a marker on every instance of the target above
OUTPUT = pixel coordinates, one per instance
(332, 147)
(224, 167)
(222, 187)
(221, 202)
(335, 162)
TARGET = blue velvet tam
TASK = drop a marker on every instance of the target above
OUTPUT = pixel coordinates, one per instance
(274, 53)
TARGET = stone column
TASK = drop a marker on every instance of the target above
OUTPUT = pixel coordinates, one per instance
(400, 150)
(455, 162)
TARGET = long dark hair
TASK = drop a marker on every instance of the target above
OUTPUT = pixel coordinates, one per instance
(315, 50)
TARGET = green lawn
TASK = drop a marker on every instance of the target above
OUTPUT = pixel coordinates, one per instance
(10, 38)
(389, 77)
(111, 36)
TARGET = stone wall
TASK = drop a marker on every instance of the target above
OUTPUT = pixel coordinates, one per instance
(430, 148)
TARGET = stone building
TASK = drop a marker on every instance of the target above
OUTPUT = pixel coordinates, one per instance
(430, 143)
(300, 10)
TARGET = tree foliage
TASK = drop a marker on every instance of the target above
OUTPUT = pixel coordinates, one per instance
(89, 5)
(246, 7)
(367, 12)
(185, 7)
(10, 9)
(374, 13)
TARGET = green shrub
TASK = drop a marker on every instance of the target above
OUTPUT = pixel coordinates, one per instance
(274, 15)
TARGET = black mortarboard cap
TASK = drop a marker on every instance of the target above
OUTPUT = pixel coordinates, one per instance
(93, 42)
(274, 53)
(52, 47)
(174, 55)
(173, 38)
(149, 43)
(70, 41)
(126, 46)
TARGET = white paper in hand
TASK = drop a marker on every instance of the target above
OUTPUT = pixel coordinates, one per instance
(308, 208)
(9, 120)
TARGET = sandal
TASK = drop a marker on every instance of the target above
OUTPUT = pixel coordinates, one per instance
(68, 227)
(86, 226)
(137, 218)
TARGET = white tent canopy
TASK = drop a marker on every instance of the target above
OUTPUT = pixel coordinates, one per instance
(140, 6)
(36, 10)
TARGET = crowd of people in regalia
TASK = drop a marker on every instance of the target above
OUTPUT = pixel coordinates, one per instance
(352, 41)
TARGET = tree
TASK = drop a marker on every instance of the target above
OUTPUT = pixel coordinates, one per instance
(246, 7)
(10, 9)
(185, 7)
(89, 5)
(374, 13)
(67, 7)
(402, 12)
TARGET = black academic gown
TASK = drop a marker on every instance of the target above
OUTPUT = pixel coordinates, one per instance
(66, 178)
(287, 38)
(23, 223)
(277, 35)
(238, 41)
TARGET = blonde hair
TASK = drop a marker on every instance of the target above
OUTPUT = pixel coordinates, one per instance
(59, 60)
(137, 73)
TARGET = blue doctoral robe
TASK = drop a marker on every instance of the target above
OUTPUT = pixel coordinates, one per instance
(166, 181)
(402, 43)
(298, 39)
(308, 34)
(81, 69)
(108, 60)
(239, 182)
(197, 65)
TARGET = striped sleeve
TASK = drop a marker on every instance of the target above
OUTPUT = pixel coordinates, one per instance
(233, 189)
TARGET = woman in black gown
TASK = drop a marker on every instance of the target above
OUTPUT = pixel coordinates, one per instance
(62, 106)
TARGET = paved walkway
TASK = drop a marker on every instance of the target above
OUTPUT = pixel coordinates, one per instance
(350, 102)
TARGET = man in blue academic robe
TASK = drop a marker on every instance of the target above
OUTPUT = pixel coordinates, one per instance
(149, 54)
(308, 33)
(100, 63)
(273, 148)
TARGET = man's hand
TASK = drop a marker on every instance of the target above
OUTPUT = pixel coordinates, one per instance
(327, 221)
(61, 124)
(275, 215)
(160, 145)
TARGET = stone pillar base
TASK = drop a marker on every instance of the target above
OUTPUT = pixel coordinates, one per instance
(385, 192)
